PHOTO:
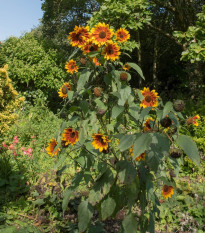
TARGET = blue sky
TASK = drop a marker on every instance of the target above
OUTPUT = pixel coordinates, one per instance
(18, 17)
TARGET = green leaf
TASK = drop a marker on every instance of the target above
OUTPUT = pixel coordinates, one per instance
(141, 144)
(73, 53)
(70, 95)
(124, 95)
(67, 196)
(145, 112)
(126, 142)
(39, 202)
(107, 208)
(126, 171)
(137, 68)
(141, 97)
(117, 110)
(167, 108)
(101, 187)
(84, 76)
(189, 147)
(84, 106)
(100, 104)
(130, 224)
(85, 213)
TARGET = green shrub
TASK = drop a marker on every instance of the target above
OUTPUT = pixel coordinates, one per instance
(32, 67)
(10, 101)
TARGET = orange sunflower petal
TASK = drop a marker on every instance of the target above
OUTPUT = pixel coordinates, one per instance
(51, 146)
(101, 34)
(100, 142)
(111, 51)
(70, 136)
(167, 191)
(150, 98)
(79, 36)
(71, 66)
(122, 35)
(63, 92)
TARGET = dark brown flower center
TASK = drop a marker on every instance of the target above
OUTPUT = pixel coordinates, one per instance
(78, 36)
(102, 35)
(72, 67)
(166, 188)
(121, 35)
(148, 98)
(72, 135)
(92, 48)
(64, 89)
(101, 140)
(110, 51)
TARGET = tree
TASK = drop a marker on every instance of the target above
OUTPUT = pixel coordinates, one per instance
(33, 69)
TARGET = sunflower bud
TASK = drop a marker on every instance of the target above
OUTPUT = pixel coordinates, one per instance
(178, 105)
(171, 173)
(97, 92)
(189, 121)
(175, 153)
(166, 122)
(83, 60)
(64, 89)
(123, 76)
(101, 112)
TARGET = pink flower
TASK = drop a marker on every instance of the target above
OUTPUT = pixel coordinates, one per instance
(16, 140)
(23, 148)
(14, 153)
(4, 145)
(29, 150)
(33, 136)
(11, 147)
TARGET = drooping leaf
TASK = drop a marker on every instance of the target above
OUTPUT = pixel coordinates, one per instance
(189, 147)
(137, 68)
(126, 171)
(141, 144)
(84, 76)
(85, 213)
(126, 142)
(117, 110)
(101, 187)
(145, 112)
(130, 224)
(107, 207)
(67, 196)
(167, 108)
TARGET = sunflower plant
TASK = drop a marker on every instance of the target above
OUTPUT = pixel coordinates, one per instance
(125, 140)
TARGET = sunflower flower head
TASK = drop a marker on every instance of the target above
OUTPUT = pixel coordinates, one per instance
(150, 98)
(51, 148)
(122, 35)
(101, 34)
(148, 123)
(71, 66)
(111, 51)
(126, 67)
(63, 92)
(100, 142)
(70, 136)
(89, 46)
(167, 191)
(79, 36)
(193, 120)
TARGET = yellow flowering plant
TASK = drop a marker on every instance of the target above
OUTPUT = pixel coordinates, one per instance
(123, 138)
